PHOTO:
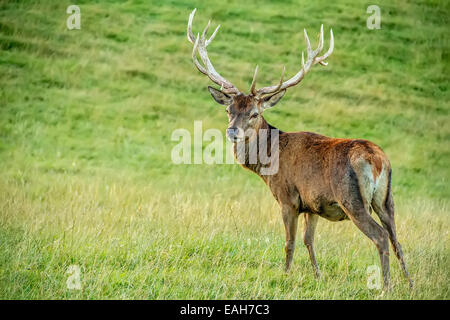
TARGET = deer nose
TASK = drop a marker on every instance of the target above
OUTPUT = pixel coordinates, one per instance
(232, 132)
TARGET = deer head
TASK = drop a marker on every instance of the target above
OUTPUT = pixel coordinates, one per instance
(245, 111)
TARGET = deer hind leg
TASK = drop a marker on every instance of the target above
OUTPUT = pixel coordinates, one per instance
(387, 220)
(308, 239)
(290, 219)
(383, 205)
(352, 196)
(362, 219)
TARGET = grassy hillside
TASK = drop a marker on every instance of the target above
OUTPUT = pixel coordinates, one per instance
(86, 118)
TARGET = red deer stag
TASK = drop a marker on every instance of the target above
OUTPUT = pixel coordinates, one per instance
(336, 179)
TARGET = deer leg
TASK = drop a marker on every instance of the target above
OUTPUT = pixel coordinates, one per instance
(389, 225)
(376, 233)
(351, 191)
(290, 219)
(308, 239)
(387, 220)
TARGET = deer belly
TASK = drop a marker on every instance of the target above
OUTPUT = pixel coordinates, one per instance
(332, 212)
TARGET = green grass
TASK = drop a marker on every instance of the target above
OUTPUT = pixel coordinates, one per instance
(86, 118)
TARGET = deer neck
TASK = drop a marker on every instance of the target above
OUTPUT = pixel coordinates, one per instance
(252, 145)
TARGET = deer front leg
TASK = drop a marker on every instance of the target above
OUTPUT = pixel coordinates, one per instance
(308, 239)
(290, 219)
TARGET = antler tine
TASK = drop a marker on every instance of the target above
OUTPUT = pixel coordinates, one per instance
(252, 87)
(312, 58)
(303, 62)
(278, 87)
(308, 44)
(212, 36)
(205, 30)
(190, 34)
(194, 57)
(200, 44)
(320, 47)
(211, 72)
(329, 52)
(282, 76)
(272, 89)
(281, 80)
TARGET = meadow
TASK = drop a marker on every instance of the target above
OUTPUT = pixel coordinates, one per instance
(86, 118)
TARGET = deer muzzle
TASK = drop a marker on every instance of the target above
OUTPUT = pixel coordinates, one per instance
(235, 134)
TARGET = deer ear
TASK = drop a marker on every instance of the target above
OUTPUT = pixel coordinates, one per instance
(220, 96)
(270, 101)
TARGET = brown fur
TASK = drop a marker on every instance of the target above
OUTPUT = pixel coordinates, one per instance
(336, 179)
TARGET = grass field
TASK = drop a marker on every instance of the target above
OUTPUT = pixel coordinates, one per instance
(86, 118)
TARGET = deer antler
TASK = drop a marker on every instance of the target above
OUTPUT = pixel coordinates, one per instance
(200, 44)
(312, 59)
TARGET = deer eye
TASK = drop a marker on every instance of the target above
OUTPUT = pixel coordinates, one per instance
(253, 116)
